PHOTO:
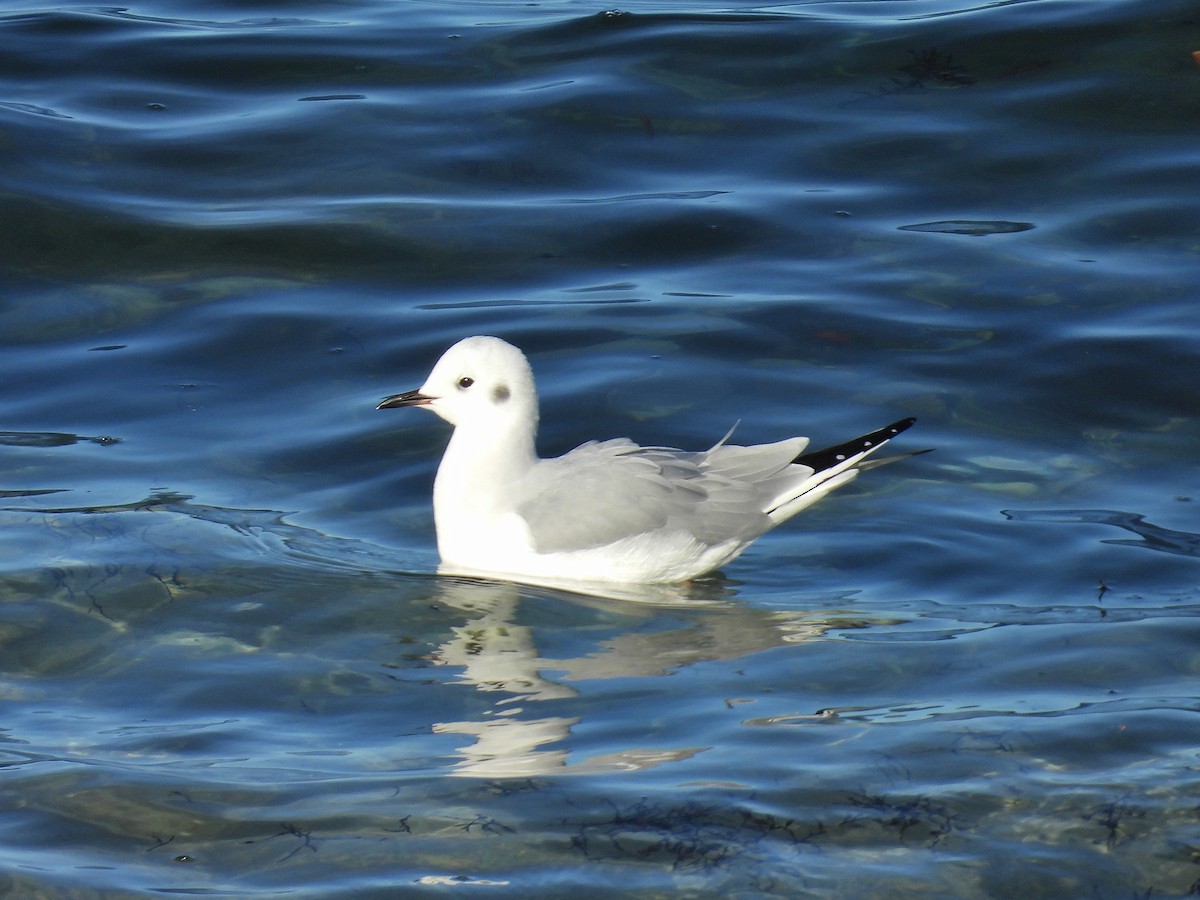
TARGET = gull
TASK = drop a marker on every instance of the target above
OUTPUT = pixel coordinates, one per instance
(608, 511)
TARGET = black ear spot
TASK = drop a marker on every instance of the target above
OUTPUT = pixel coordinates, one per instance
(501, 393)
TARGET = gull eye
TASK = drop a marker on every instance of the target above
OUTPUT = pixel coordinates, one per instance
(465, 382)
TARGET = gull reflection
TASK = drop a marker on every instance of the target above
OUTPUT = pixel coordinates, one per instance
(495, 653)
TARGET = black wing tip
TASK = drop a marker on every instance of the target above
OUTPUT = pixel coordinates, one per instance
(819, 460)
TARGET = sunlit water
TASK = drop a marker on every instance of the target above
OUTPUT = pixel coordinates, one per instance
(227, 231)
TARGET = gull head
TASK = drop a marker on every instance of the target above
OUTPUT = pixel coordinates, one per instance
(479, 382)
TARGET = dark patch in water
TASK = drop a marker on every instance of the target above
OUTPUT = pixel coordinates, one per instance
(49, 439)
(33, 110)
(487, 304)
(934, 66)
(969, 226)
(333, 97)
(1153, 537)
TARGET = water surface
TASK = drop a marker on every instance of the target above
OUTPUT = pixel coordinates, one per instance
(228, 666)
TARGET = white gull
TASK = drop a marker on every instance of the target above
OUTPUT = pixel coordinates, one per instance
(607, 511)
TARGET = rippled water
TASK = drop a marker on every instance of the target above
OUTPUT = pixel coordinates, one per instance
(228, 667)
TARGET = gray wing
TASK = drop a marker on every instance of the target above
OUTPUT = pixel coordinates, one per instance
(602, 492)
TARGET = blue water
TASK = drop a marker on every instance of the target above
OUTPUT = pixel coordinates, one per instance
(227, 665)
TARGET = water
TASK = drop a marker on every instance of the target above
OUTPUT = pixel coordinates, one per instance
(226, 232)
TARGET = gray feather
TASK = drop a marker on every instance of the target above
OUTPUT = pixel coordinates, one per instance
(603, 492)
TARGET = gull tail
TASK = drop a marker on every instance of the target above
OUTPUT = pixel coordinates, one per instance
(835, 466)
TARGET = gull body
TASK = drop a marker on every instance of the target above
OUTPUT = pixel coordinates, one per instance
(607, 511)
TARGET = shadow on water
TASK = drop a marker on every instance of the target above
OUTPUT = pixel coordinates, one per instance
(1152, 537)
